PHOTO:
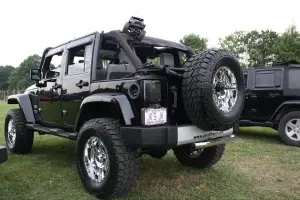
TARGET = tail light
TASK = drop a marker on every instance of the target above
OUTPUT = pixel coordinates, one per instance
(152, 91)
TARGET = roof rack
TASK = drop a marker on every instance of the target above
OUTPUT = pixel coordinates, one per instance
(285, 62)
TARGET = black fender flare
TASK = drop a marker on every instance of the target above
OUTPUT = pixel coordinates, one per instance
(24, 102)
(286, 103)
(117, 98)
(3, 154)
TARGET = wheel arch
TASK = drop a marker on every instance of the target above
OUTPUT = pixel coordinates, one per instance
(283, 109)
(24, 102)
(116, 106)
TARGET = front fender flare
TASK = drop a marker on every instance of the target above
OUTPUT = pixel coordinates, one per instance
(118, 98)
(25, 104)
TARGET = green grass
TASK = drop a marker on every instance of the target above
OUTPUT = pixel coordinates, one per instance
(257, 165)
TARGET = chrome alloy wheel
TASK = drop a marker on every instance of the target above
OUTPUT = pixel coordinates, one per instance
(11, 133)
(224, 89)
(292, 129)
(96, 159)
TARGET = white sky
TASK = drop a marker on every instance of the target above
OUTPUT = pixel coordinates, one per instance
(28, 26)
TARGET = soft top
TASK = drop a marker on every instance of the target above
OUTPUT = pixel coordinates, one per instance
(164, 43)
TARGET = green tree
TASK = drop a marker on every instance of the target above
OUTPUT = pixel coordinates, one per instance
(260, 47)
(253, 48)
(194, 41)
(5, 72)
(20, 77)
(235, 42)
(287, 46)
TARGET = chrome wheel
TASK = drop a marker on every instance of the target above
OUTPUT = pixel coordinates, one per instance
(224, 89)
(11, 133)
(195, 153)
(292, 129)
(96, 159)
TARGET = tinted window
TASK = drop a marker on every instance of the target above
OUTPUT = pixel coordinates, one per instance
(52, 62)
(268, 78)
(294, 76)
(79, 60)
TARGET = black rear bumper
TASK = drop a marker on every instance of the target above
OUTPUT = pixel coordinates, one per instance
(156, 136)
(170, 136)
(3, 154)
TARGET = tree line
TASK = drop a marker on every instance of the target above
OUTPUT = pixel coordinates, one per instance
(254, 48)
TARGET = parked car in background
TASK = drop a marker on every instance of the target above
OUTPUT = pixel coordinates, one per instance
(273, 99)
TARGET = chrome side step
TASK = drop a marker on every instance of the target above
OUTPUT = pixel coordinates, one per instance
(214, 142)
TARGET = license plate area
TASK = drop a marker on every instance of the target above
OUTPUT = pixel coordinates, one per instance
(154, 116)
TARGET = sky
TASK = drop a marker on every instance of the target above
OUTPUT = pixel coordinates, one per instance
(28, 27)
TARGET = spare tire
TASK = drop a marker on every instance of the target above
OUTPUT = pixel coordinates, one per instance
(213, 89)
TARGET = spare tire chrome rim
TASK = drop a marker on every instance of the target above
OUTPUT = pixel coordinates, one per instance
(224, 89)
(96, 159)
(11, 133)
(292, 129)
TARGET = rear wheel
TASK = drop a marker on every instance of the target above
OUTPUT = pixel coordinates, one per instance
(213, 89)
(106, 166)
(157, 153)
(202, 158)
(289, 128)
(19, 139)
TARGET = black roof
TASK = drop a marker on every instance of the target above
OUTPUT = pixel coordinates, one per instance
(285, 62)
(165, 43)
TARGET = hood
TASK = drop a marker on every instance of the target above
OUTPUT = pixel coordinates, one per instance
(32, 87)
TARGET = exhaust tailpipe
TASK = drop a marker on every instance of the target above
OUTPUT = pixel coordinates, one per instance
(214, 142)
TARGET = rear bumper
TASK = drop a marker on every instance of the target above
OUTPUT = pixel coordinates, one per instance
(3, 154)
(172, 136)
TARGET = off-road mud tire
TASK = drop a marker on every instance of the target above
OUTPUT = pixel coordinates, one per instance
(281, 129)
(157, 153)
(207, 158)
(124, 161)
(197, 89)
(24, 137)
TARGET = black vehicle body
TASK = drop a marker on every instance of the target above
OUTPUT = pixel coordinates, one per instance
(107, 92)
(3, 154)
(271, 92)
(61, 106)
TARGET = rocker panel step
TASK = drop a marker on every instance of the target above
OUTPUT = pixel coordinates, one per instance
(52, 131)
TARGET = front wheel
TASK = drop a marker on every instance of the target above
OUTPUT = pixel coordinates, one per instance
(19, 139)
(106, 166)
(202, 158)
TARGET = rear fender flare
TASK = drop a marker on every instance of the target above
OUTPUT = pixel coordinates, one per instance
(284, 104)
(120, 99)
(25, 104)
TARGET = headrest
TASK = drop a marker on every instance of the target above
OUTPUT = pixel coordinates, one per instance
(116, 68)
(115, 71)
(166, 59)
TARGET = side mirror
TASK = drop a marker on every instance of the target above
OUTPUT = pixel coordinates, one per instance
(35, 74)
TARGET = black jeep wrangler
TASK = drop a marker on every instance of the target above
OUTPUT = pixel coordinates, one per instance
(3, 154)
(121, 94)
(273, 99)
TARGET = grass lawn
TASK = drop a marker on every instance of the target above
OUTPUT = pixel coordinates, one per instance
(255, 166)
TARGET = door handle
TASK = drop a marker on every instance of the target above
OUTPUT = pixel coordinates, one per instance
(82, 84)
(56, 86)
